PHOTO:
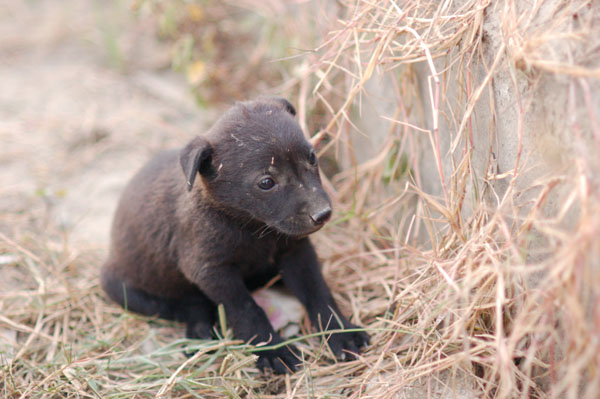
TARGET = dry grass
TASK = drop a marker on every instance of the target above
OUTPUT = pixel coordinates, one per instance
(475, 288)
(499, 287)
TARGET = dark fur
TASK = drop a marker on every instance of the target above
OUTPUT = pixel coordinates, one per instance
(184, 242)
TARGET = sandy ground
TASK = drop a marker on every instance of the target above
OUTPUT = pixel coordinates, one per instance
(87, 95)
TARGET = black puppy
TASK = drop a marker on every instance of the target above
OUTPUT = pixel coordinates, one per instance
(238, 215)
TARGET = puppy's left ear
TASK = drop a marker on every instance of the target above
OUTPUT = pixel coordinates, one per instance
(196, 157)
(280, 101)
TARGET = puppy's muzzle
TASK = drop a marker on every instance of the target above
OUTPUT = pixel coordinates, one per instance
(320, 217)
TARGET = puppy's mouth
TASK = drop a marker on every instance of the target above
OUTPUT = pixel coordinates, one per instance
(294, 228)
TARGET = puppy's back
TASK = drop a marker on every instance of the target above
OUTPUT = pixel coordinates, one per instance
(143, 252)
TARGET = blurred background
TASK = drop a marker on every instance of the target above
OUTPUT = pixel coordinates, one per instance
(459, 141)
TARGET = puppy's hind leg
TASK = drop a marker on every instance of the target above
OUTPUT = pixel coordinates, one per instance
(195, 309)
(199, 313)
(134, 299)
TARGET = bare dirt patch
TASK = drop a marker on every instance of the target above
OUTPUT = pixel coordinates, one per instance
(87, 96)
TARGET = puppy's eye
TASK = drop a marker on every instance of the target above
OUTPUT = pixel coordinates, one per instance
(312, 158)
(266, 184)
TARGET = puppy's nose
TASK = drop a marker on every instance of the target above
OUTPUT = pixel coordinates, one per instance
(321, 216)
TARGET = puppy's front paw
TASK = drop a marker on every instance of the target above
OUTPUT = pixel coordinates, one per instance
(347, 345)
(282, 360)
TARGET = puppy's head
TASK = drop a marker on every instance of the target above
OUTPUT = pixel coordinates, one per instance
(256, 161)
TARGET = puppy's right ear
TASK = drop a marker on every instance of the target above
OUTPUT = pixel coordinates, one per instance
(196, 157)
